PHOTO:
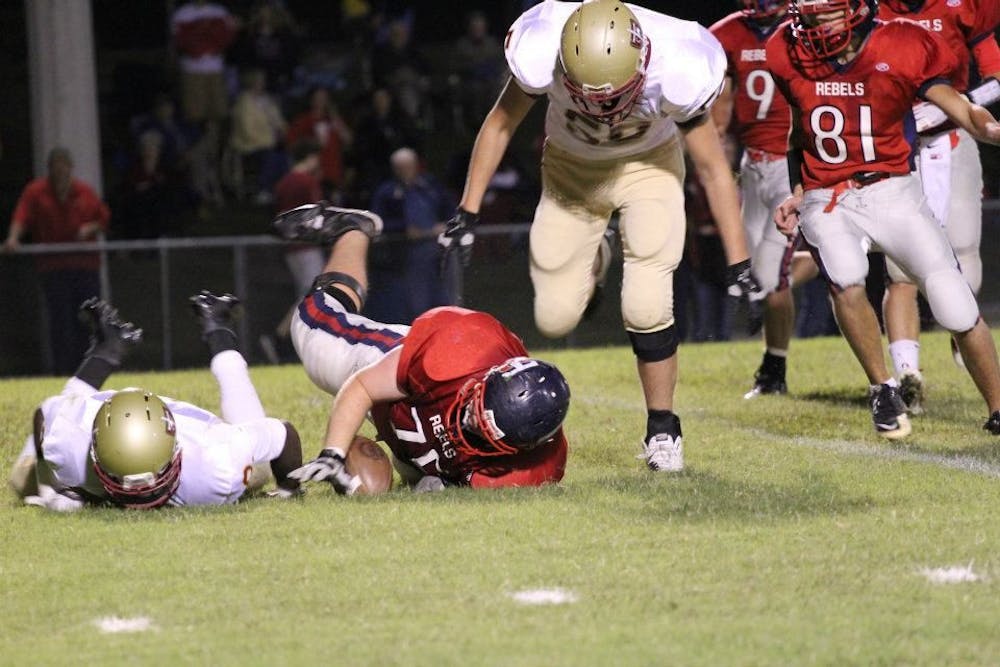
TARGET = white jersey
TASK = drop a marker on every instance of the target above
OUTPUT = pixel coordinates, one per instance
(216, 455)
(686, 71)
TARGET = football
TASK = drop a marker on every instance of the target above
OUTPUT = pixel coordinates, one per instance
(367, 460)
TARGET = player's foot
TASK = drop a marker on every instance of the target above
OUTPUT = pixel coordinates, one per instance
(664, 448)
(765, 382)
(110, 337)
(993, 423)
(664, 452)
(602, 262)
(956, 354)
(322, 223)
(911, 390)
(889, 412)
(215, 313)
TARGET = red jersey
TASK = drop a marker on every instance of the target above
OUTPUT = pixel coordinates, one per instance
(49, 220)
(760, 112)
(444, 349)
(962, 25)
(856, 118)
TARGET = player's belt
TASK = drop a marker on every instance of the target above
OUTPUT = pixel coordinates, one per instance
(860, 179)
(757, 155)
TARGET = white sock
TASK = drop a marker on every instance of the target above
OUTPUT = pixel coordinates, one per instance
(775, 352)
(905, 356)
(239, 399)
(891, 382)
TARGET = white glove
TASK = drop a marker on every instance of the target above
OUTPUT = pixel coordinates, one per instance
(52, 500)
(927, 115)
(328, 467)
(428, 483)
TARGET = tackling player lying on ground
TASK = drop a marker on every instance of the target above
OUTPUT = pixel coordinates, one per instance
(851, 80)
(455, 396)
(133, 449)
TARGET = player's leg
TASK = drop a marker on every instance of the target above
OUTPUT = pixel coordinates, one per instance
(652, 231)
(902, 326)
(839, 244)
(570, 220)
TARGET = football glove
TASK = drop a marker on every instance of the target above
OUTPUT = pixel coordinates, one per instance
(55, 501)
(458, 235)
(429, 484)
(328, 467)
(740, 281)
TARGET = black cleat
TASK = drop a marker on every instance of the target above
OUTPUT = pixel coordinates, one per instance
(993, 423)
(911, 390)
(889, 412)
(215, 313)
(323, 224)
(110, 337)
(766, 383)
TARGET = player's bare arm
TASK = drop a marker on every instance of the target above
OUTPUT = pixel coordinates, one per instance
(973, 118)
(722, 109)
(709, 159)
(373, 384)
(491, 142)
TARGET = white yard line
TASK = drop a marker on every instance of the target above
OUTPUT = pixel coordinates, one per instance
(116, 625)
(543, 596)
(951, 575)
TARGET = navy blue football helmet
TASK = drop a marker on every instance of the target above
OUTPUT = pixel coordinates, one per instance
(514, 408)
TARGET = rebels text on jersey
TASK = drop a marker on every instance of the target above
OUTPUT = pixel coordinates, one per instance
(684, 77)
(856, 117)
(445, 348)
(962, 25)
(760, 112)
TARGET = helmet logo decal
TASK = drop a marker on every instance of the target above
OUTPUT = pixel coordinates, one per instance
(515, 365)
(168, 422)
(635, 34)
(490, 423)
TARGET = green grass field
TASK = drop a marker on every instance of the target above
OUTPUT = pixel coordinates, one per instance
(796, 536)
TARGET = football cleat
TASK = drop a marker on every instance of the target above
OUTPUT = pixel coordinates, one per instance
(323, 224)
(664, 452)
(993, 423)
(889, 412)
(956, 354)
(602, 262)
(110, 337)
(911, 390)
(215, 313)
(766, 383)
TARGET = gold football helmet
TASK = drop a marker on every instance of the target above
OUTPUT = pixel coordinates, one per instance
(134, 449)
(604, 55)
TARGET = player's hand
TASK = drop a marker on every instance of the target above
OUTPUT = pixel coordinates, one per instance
(458, 235)
(281, 493)
(786, 216)
(428, 484)
(328, 467)
(740, 281)
(52, 500)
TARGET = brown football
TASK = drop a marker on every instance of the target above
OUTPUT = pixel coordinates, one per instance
(367, 460)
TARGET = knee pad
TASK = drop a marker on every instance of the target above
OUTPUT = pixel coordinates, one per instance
(971, 265)
(951, 300)
(332, 283)
(654, 346)
(556, 318)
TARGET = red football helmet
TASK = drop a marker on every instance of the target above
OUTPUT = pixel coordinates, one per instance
(514, 407)
(825, 28)
(763, 10)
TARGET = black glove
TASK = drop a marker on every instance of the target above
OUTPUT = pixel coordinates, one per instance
(739, 281)
(328, 467)
(458, 235)
(741, 284)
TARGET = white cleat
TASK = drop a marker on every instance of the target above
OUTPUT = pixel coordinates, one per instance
(664, 453)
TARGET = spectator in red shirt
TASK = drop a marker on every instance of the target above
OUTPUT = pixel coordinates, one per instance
(301, 185)
(324, 123)
(202, 32)
(62, 209)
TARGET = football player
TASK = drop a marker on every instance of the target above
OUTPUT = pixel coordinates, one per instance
(949, 168)
(626, 87)
(133, 449)
(455, 395)
(851, 80)
(758, 114)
